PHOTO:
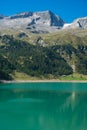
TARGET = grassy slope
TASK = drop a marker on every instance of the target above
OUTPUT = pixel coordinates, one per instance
(74, 36)
(74, 77)
(64, 37)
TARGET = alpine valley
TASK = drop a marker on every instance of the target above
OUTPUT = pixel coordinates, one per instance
(41, 45)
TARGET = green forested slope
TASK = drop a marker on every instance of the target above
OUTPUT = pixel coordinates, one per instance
(54, 58)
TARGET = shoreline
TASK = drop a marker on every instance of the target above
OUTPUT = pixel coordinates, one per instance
(43, 81)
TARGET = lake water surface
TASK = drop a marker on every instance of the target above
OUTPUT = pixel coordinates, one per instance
(43, 106)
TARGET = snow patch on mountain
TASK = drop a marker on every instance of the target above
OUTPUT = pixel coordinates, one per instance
(78, 23)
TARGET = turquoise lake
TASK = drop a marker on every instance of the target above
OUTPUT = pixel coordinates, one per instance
(43, 106)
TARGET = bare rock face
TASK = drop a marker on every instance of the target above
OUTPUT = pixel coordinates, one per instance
(39, 22)
(22, 34)
(78, 23)
(35, 22)
(48, 18)
(39, 41)
(1, 16)
(44, 18)
(21, 15)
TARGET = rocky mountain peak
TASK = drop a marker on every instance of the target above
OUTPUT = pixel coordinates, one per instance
(50, 18)
(43, 17)
(39, 22)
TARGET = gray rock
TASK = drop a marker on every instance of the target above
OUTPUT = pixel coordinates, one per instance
(1, 16)
(21, 15)
(48, 18)
(78, 23)
(22, 34)
(39, 22)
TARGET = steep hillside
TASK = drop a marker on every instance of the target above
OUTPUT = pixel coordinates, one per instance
(34, 60)
(47, 55)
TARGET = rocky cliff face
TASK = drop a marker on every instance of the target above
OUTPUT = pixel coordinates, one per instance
(21, 15)
(45, 17)
(48, 18)
(78, 23)
(39, 22)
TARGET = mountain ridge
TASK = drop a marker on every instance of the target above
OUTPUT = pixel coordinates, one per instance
(77, 23)
(40, 22)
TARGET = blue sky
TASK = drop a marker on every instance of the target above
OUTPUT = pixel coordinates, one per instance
(66, 9)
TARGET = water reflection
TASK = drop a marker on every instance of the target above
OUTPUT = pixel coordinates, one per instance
(28, 109)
